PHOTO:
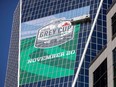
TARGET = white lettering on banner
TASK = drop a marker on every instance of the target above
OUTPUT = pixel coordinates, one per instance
(54, 34)
(43, 58)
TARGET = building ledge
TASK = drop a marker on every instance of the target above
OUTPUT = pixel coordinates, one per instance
(99, 53)
(113, 3)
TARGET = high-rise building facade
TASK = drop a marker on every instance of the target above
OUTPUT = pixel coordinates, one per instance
(11, 79)
(53, 37)
(102, 71)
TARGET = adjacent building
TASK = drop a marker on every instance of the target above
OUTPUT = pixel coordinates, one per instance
(102, 71)
(11, 79)
(51, 41)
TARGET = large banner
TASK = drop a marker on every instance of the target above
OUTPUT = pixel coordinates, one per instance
(48, 47)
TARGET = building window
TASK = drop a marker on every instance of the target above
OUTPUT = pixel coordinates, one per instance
(114, 63)
(100, 75)
(114, 25)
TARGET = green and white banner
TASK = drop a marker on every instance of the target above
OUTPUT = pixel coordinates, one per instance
(48, 48)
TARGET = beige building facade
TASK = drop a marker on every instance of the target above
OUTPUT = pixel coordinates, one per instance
(97, 71)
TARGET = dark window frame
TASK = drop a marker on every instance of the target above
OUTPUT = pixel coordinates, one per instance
(114, 65)
(113, 19)
(100, 75)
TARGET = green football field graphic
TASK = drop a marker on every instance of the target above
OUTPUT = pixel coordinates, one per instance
(50, 68)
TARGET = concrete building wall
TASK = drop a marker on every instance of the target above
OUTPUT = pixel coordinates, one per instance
(107, 53)
(109, 27)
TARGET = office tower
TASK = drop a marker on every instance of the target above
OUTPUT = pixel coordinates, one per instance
(11, 79)
(53, 37)
(102, 70)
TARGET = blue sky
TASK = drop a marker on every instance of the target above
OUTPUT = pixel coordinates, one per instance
(7, 8)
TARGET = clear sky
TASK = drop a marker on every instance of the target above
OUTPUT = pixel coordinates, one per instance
(7, 8)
